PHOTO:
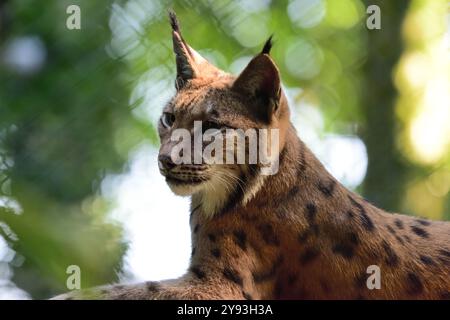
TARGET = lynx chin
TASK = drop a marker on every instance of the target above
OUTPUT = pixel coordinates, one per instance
(294, 234)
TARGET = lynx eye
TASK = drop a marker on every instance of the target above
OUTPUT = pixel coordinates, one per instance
(167, 119)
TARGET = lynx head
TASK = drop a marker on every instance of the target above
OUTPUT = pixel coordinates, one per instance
(219, 102)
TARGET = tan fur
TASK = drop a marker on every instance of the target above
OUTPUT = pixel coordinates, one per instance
(298, 234)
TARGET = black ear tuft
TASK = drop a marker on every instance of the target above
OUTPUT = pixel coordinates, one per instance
(174, 21)
(267, 45)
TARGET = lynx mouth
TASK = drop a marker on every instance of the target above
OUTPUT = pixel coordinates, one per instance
(187, 181)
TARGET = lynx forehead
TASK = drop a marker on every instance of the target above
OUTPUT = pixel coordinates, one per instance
(297, 234)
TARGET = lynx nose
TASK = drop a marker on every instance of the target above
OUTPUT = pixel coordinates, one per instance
(165, 162)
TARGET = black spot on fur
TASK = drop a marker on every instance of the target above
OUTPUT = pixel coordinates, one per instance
(269, 274)
(233, 276)
(152, 286)
(423, 222)
(408, 239)
(212, 237)
(315, 229)
(193, 251)
(309, 255)
(391, 258)
(361, 280)
(235, 197)
(353, 238)
(282, 155)
(344, 249)
(247, 296)
(400, 240)
(240, 238)
(427, 260)
(444, 255)
(197, 226)
(197, 272)
(365, 219)
(420, 232)
(291, 279)
(293, 192)
(277, 290)
(390, 229)
(216, 252)
(398, 223)
(350, 214)
(414, 284)
(311, 212)
(303, 236)
(327, 190)
(268, 235)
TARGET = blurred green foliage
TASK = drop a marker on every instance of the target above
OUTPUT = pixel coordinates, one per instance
(67, 125)
(58, 140)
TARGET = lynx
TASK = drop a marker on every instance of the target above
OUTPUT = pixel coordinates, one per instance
(296, 234)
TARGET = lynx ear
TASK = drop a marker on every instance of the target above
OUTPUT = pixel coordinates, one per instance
(190, 64)
(260, 81)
